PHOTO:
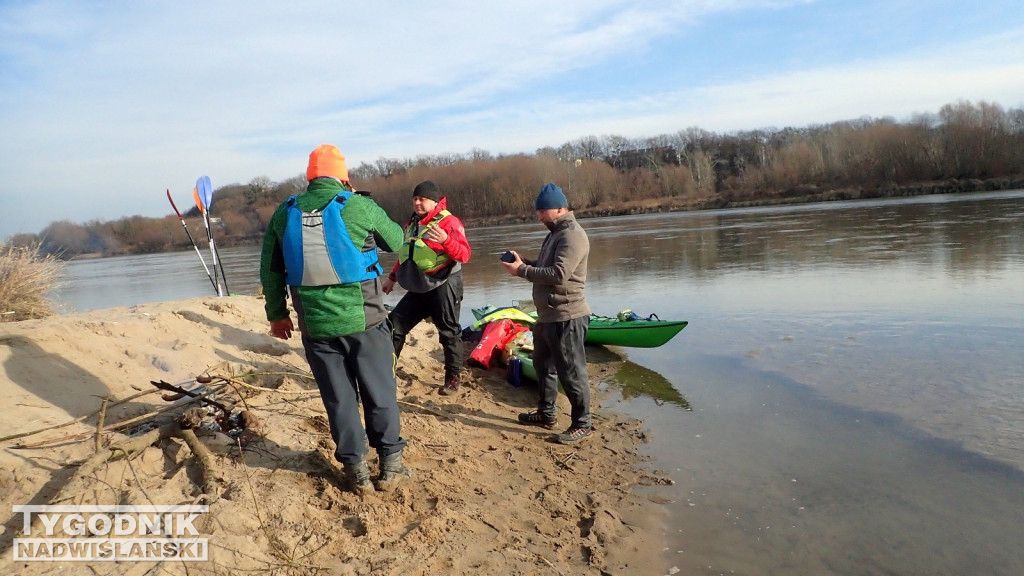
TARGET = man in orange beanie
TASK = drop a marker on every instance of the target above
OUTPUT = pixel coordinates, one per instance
(321, 247)
(326, 160)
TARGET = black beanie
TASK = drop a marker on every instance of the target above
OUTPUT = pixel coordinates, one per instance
(427, 189)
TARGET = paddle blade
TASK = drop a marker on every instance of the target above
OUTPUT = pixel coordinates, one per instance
(199, 203)
(171, 200)
(205, 190)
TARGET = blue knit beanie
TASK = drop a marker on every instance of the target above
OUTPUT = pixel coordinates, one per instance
(550, 197)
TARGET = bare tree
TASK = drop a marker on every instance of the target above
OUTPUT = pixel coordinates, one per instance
(259, 188)
(388, 167)
(364, 172)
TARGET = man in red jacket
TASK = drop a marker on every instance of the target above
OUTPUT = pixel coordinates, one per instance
(429, 267)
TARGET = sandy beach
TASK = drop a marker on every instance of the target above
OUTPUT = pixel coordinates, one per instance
(489, 495)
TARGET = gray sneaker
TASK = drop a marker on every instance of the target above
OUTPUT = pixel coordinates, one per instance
(392, 471)
(357, 478)
(574, 434)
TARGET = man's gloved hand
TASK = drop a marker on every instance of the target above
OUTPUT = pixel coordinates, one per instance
(282, 328)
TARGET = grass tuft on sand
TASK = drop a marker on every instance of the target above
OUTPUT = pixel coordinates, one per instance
(25, 280)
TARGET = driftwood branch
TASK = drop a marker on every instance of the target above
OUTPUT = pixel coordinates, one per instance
(211, 479)
(75, 421)
(99, 422)
(81, 479)
(244, 384)
(169, 388)
(116, 426)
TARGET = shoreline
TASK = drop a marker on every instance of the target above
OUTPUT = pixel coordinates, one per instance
(489, 495)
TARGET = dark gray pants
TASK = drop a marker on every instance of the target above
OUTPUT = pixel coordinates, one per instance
(559, 355)
(352, 369)
(443, 305)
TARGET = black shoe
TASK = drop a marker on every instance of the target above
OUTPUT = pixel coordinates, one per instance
(392, 471)
(537, 419)
(357, 478)
(574, 434)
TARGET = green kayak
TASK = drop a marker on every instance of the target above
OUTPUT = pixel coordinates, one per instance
(632, 331)
(626, 329)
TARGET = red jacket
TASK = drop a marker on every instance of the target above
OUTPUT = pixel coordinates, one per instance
(456, 246)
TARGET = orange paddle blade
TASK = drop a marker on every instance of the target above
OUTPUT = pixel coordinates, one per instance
(199, 203)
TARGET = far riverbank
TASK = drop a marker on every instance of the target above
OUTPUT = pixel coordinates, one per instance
(799, 195)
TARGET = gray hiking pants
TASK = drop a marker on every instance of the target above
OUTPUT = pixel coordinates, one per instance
(352, 369)
(559, 355)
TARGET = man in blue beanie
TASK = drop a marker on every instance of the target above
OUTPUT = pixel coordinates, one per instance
(559, 275)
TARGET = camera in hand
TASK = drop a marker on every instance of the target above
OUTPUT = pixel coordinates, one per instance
(508, 257)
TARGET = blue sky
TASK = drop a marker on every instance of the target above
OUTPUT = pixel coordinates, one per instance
(105, 105)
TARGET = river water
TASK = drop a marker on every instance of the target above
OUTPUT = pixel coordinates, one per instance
(847, 399)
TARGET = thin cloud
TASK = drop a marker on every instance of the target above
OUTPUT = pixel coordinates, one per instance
(104, 106)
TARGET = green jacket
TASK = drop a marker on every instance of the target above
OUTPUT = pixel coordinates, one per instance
(338, 310)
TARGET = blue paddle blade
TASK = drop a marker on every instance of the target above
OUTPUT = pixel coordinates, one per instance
(205, 190)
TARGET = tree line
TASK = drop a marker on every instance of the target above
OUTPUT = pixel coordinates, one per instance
(963, 147)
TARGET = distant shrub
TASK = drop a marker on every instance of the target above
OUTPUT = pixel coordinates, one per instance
(25, 279)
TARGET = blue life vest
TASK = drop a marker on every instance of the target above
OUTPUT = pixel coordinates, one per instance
(318, 250)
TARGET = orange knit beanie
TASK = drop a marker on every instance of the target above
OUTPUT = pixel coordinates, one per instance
(326, 160)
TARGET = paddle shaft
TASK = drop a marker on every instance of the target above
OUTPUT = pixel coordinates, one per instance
(223, 276)
(204, 196)
(213, 252)
(190, 239)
